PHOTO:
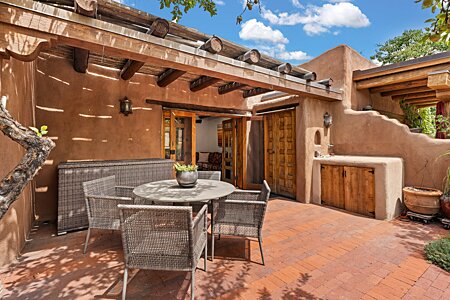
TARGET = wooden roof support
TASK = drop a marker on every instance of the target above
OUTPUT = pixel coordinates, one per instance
(255, 92)
(86, 8)
(251, 57)
(310, 76)
(406, 91)
(399, 86)
(213, 45)
(422, 100)
(285, 68)
(415, 96)
(74, 30)
(196, 107)
(400, 77)
(439, 80)
(158, 28)
(202, 83)
(229, 87)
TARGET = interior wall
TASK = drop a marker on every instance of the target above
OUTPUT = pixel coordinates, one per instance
(17, 82)
(82, 113)
(206, 135)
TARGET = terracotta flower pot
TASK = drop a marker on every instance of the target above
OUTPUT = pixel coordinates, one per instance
(422, 200)
(445, 205)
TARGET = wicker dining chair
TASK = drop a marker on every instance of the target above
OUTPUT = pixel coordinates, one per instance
(102, 197)
(163, 238)
(211, 175)
(241, 214)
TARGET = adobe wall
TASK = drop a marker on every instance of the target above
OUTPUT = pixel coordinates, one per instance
(16, 82)
(355, 132)
(82, 113)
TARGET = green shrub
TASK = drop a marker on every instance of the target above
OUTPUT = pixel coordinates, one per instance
(184, 168)
(438, 252)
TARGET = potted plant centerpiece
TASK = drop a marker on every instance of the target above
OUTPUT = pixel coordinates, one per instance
(186, 175)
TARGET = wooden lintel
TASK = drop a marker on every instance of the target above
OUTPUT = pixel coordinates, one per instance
(202, 83)
(213, 45)
(399, 86)
(73, 30)
(443, 95)
(196, 107)
(86, 8)
(229, 87)
(400, 77)
(251, 56)
(285, 68)
(422, 100)
(439, 80)
(255, 92)
(406, 91)
(169, 76)
(415, 96)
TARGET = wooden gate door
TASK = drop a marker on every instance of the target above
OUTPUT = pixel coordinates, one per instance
(332, 181)
(359, 190)
(279, 158)
(178, 136)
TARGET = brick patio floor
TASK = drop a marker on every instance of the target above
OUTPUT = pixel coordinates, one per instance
(312, 252)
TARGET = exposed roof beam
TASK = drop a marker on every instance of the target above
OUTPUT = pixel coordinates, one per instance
(422, 100)
(196, 107)
(406, 91)
(415, 96)
(74, 30)
(213, 45)
(399, 86)
(202, 83)
(158, 28)
(229, 87)
(169, 76)
(285, 68)
(251, 57)
(400, 77)
(439, 80)
(86, 8)
(255, 92)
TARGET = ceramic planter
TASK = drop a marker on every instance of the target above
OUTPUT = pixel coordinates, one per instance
(187, 179)
(422, 200)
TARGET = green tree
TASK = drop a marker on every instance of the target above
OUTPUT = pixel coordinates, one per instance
(411, 44)
(439, 28)
(180, 7)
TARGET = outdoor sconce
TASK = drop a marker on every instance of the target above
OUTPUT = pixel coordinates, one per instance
(327, 120)
(126, 107)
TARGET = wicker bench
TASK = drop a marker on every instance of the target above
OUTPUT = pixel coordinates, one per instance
(72, 213)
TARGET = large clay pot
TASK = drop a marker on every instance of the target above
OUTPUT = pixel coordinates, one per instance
(187, 179)
(422, 200)
(445, 205)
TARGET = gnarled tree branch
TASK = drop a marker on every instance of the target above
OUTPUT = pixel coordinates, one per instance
(38, 149)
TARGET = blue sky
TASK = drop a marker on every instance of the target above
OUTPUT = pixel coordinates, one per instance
(296, 30)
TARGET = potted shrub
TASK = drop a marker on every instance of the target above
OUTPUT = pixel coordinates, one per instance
(187, 175)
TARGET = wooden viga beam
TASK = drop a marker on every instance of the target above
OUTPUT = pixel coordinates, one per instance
(213, 45)
(415, 96)
(255, 92)
(251, 57)
(158, 28)
(285, 68)
(86, 8)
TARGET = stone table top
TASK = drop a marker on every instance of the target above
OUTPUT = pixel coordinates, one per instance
(170, 191)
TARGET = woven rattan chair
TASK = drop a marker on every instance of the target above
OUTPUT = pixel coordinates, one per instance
(241, 214)
(102, 197)
(212, 175)
(162, 238)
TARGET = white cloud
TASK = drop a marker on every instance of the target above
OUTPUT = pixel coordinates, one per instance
(319, 19)
(253, 30)
(297, 3)
(293, 55)
(220, 2)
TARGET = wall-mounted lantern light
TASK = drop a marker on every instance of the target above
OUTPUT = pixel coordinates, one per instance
(327, 120)
(126, 107)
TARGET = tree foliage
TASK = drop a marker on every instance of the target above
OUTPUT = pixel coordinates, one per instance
(411, 44)
(439, 25)
(181, 7)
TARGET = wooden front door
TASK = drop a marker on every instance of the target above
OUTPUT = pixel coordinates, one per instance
(178, 136)
(349, 188)
(233, 149)
(279, 152)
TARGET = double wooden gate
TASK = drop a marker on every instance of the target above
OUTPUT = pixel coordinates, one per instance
(279, 156)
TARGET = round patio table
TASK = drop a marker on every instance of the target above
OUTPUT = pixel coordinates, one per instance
(169, 191)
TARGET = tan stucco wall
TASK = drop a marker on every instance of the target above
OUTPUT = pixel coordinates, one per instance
(16, 82)
(82, 113)
(367, 133)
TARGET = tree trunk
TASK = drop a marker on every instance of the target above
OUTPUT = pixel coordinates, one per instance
(38, 149)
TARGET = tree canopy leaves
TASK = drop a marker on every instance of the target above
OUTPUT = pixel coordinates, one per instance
(439, 26)
(411, 44)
